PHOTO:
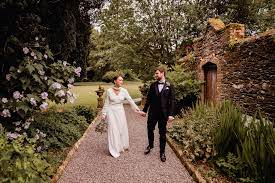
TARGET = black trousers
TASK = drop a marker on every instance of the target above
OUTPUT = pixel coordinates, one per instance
(151, 123)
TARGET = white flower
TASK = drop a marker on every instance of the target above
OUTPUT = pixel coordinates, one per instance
(26, 125)
(65, 63)
(45, 78)
(44, 106)
(77, 71)
(44, 95)
(4, 100)
(18, 70)
(17, 123)
(6, 113)
(36, 38)
(72, 98)
(70, 86)
(36, 137)
(60, 93)
(26, 50)
(32, 54)
(33, 101)
(45, 56)
(39, 148)
(71, 80)
(41, 72)
(17, 95)
(35, 57)
(43, 134)
(18, 129)
(12, 136)
(56, 85)
(8, 77)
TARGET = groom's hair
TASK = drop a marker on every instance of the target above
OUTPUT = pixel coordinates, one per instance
(161, 69)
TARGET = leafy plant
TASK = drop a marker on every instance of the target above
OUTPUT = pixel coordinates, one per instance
(251, 140)
(195, 132)
(234, 167)
(61, 129)
(88, 112)
(20, 162)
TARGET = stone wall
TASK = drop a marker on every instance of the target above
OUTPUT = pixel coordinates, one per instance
(245, 66)
(250, 74)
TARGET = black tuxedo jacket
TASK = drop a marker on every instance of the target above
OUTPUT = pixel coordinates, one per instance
(160, 102)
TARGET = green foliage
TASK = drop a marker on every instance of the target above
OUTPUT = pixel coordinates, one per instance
(61, 129)
(144, 89)
(231, 123)
(109, 76)
(235, 168)
(184, 82)
(88, 112)
(195, 133)
(242, 146)
(20, 163)
(251, 140)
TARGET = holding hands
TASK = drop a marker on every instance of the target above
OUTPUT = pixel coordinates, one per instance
(140, 112)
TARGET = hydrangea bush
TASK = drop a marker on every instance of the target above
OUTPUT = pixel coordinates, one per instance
(31, 82)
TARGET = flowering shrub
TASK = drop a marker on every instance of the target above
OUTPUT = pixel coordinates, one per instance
(34, 80)
(20, 161)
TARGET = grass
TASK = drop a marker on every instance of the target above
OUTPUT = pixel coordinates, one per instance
(86, 95)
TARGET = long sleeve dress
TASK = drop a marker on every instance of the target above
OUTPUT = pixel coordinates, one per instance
(118, 138)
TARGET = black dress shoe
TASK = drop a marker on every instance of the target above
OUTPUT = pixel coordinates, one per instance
(147, 150)
(162, 157)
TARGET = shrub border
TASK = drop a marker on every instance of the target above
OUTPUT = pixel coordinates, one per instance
(187, 164)
(73, 150)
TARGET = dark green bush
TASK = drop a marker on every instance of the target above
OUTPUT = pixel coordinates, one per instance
(61, 129)
(108, 76)
(187, 87)
(88, 112)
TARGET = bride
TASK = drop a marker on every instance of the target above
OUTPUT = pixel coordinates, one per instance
(113, 112)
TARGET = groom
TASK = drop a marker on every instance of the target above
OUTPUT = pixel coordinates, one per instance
(160, 101)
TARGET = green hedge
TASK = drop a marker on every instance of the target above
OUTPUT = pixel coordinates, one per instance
(61, 129)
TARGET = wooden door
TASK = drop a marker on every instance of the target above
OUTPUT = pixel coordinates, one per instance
(210, 89)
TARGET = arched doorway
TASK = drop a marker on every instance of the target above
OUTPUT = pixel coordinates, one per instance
(210, 85)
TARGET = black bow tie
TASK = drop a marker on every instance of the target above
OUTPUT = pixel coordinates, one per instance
(161, 83)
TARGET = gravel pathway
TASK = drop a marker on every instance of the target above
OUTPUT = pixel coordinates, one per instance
(93, 163)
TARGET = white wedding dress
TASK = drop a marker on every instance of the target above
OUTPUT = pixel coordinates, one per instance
(118, 138)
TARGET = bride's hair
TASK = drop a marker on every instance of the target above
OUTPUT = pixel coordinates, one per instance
(116, 77)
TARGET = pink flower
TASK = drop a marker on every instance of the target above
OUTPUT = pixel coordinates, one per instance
(70, 86)
(44, 95)
(17, 95)
(4, 100)
(56, 85)
(26, 50)
(33, 102)
(45, 56)
(65, 63)
(8, 77)
(41, 72)
(32, 54)
(77, 71)
(71, 80)
(6, 113)
(44, 106)
(12, 136)
(60, 93)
